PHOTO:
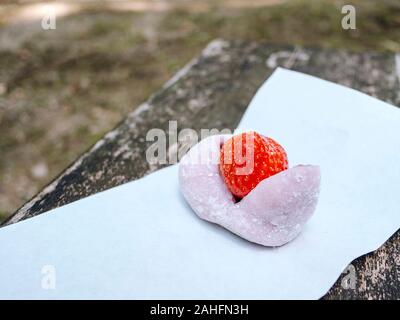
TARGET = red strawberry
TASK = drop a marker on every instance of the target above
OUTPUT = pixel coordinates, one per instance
(247, 159)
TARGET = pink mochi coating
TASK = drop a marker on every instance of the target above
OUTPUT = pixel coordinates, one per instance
(272, 214)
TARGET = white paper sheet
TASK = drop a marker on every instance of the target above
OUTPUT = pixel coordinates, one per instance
(141, 240)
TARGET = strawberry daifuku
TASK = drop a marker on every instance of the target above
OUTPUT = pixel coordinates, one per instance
(247, 159)
(273, 213)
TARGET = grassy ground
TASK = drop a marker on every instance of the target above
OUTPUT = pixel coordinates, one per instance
(61, 90)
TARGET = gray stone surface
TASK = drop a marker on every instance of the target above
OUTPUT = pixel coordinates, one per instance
(213, 91)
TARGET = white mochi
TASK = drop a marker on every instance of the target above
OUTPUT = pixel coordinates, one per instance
(272, 214)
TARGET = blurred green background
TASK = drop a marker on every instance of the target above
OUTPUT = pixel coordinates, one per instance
(62, 89)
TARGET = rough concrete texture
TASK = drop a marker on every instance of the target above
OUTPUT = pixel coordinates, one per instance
(213, 91)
